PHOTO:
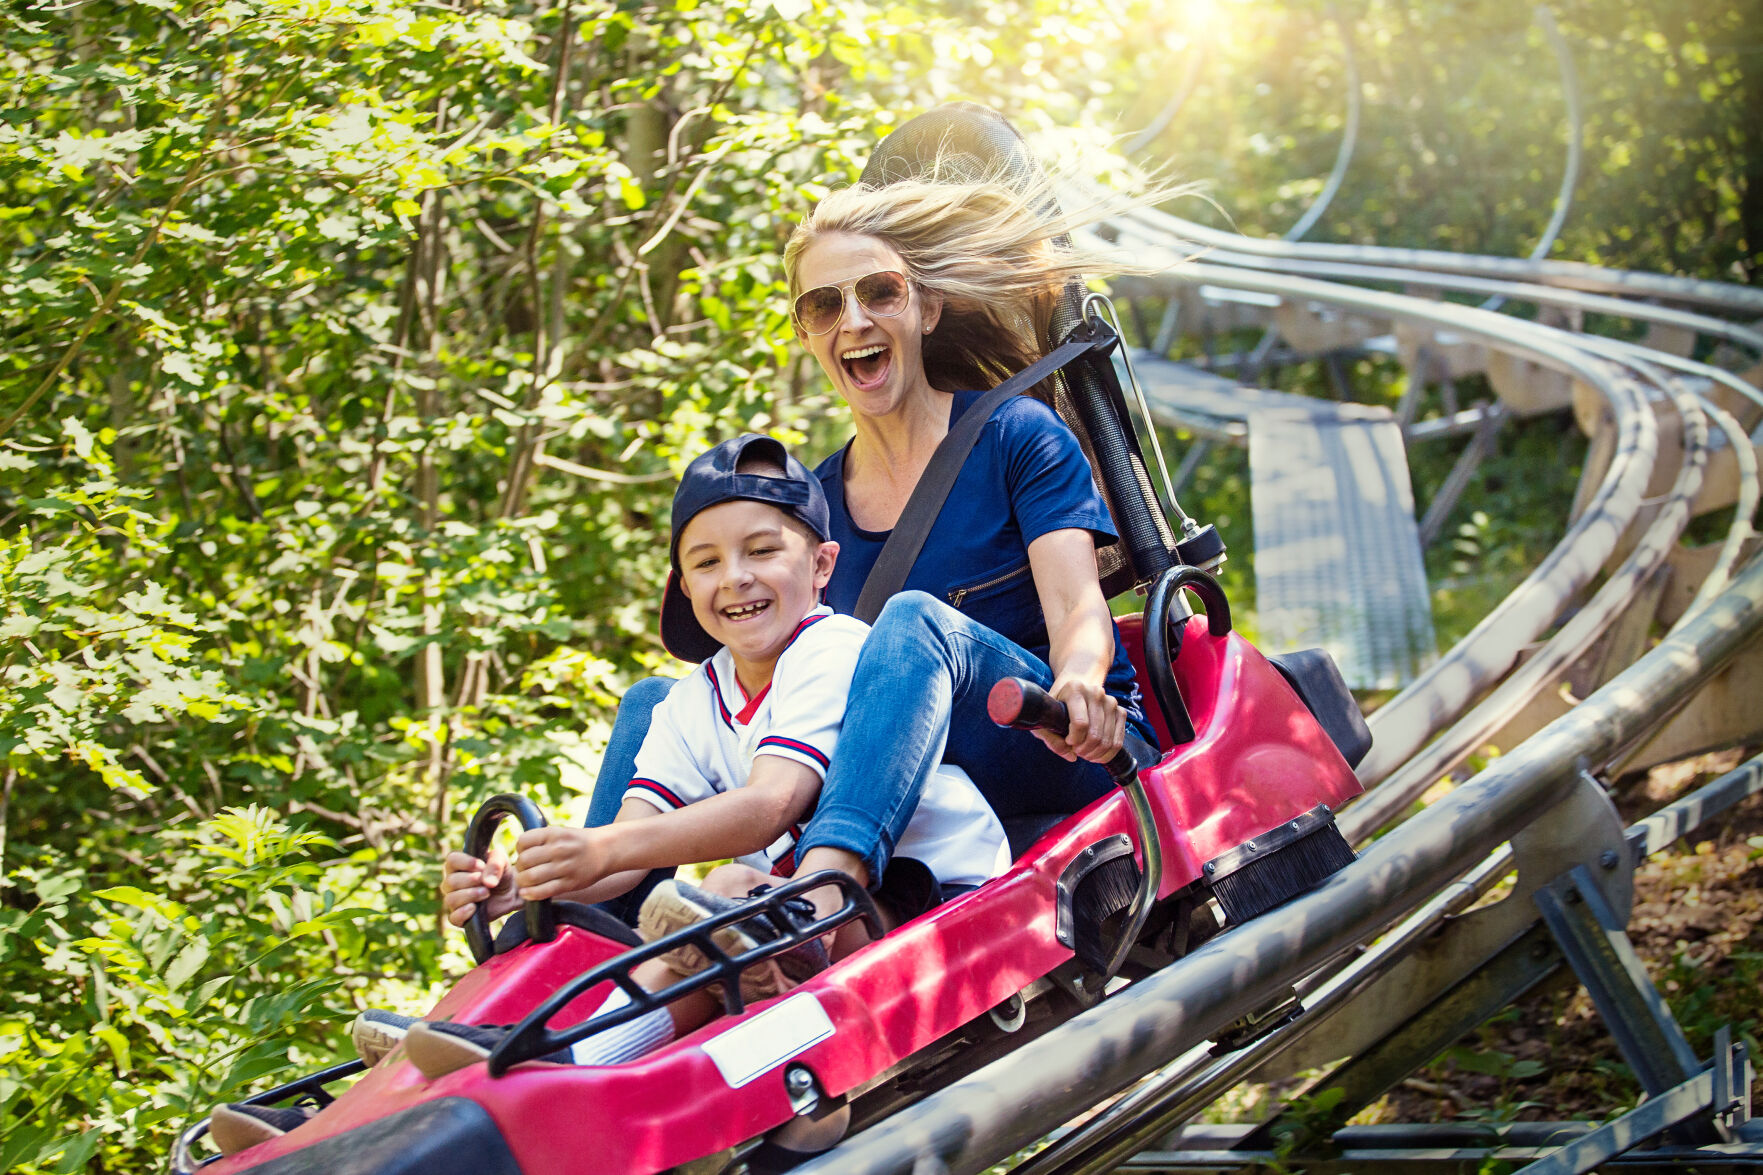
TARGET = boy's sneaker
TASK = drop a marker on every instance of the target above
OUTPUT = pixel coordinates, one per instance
(377, 1032)
(438, 1047)
(675, 905)
(235, 1126)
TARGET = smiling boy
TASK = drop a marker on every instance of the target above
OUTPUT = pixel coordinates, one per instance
(733, 760)
(731, 767)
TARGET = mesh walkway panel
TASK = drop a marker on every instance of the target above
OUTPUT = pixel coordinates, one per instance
(1337, 551)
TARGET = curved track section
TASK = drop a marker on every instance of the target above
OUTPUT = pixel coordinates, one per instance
(1665, 419)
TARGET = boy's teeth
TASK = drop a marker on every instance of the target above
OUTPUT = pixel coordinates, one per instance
(742, 611)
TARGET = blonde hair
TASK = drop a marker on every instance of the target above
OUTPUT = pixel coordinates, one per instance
(986, 248)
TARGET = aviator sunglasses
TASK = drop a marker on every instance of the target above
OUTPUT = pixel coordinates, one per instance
(884, 292)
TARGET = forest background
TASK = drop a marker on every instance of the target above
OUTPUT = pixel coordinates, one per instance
(352, 346)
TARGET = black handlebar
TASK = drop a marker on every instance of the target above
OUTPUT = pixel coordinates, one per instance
(1020, 703)
(541, 921)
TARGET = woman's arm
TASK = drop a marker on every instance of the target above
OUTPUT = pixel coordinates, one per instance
(556, 862)
(1080, 631)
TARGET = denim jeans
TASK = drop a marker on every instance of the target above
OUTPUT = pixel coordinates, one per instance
(919, 698)
(617, 767)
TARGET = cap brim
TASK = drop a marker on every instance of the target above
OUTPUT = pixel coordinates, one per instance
(681, 633)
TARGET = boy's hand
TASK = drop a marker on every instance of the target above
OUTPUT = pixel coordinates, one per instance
(554, 861)
(466, 881)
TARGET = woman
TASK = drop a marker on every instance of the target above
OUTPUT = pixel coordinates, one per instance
(914, 298)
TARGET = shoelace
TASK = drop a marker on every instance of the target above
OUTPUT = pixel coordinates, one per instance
(794, 914)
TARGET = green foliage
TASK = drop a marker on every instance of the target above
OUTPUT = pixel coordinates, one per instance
(351, 349)
(1463, 132)
(128, 1010)
(85, 648)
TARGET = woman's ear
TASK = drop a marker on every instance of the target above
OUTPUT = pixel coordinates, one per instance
(931, 311)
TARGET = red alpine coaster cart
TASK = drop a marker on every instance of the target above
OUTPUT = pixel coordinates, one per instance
(1229, 821)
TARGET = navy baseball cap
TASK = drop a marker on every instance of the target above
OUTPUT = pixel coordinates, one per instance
(711, 480)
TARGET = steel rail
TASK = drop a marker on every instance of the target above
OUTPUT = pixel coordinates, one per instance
(1173, 1095)
(1194, 1080)
(1190, 82)
(1575, 136)
(1404, 724)
(1621, 350)
(1732, 548)
(988, 1115)
(1349, 135)
(1386, 755)
(1682, 817)
(1531, 292)
(1575, 142)
(1567, 274)
(1393, 796)
(1169, 1098)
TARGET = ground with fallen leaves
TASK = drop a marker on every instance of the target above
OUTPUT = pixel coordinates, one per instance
(1697, 923)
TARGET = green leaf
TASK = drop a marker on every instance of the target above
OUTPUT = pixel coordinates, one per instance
(117, 1043)
(186, 964)
(80, 1151)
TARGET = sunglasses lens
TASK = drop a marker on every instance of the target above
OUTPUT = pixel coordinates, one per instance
(882, 293)
(818, 309)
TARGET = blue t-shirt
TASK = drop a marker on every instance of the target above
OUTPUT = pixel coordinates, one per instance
(1025, 477)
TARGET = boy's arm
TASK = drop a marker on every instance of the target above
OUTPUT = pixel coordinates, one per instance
(567, 862)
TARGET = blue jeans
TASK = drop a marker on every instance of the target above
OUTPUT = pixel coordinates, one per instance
(919, 698)
(617, 767)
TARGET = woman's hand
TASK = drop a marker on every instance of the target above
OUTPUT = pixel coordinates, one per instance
(1097, 725)
(466, 881)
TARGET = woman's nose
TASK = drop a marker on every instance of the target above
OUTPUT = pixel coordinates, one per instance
(856, 316)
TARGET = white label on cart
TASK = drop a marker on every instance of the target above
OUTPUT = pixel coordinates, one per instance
(769, 1039)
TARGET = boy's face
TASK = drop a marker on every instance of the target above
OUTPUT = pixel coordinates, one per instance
(752, 573)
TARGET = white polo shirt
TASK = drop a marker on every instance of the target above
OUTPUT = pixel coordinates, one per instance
(705, 734)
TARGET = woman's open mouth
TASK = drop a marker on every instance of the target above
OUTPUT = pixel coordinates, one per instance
(867, 366)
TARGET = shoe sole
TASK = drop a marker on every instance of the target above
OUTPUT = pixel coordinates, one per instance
(233, 1132)
(668, 910)
(436, 1054)
(374, 1039)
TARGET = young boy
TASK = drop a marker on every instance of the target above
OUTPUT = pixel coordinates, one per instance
(733, 760)
(731, 767)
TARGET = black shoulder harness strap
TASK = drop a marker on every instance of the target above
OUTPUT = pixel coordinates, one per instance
(906, 540)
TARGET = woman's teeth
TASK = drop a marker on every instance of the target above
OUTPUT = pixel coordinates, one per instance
(866, 365)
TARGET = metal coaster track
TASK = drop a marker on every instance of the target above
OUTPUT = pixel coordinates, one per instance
(1397, 925)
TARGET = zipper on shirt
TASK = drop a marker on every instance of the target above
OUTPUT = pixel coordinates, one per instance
(961, 593)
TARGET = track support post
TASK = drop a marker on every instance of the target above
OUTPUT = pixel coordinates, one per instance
(1711, 1092)
(1596, 945)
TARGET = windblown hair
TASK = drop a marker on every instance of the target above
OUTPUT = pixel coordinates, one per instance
(991, 252)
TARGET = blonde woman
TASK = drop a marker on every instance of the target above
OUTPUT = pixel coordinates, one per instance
(915, 298)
